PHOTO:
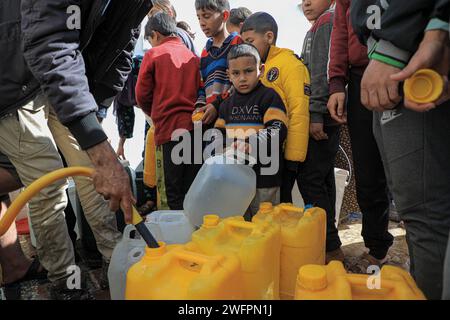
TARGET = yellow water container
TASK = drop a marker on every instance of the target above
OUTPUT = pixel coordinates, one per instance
(332, 282)
(181, 274)
(150, 159)
(256, 245)
(198, 116)
(303, 236)
(424, 86)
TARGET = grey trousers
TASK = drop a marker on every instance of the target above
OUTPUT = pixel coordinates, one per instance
(446, 293)
(415, 148)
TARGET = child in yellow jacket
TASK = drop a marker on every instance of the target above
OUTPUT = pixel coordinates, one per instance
(288, 76)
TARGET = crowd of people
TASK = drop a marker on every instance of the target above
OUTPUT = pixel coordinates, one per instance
(250, 94)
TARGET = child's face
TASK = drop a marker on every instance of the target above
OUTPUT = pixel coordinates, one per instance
(313, 9)
(244, 73)
(262, 42)
(212, 22)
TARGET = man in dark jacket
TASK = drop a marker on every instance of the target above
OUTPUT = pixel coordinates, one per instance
(414, 145)
(63, 58)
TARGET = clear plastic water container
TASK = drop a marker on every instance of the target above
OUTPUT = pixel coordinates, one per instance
(224, 186)
(174, 226)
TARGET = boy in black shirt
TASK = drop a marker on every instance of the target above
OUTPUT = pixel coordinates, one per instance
(254, 116)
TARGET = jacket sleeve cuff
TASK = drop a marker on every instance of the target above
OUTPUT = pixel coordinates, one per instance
(316, 117)
(337, 84)
(386, 52)
(437, 24)
(87, 130)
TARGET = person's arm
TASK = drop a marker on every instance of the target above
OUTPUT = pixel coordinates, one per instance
(53, 56)
(52, 53)
(115, 78)
(145, 84)
(296, 84)
(387, 43)
(319, 69)
(339, 51)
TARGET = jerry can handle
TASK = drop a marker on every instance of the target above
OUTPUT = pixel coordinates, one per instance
(208, 263)
(230, 224)
(129, 228)
(288, 207)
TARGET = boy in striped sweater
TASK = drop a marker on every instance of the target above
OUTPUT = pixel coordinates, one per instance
(213, 16)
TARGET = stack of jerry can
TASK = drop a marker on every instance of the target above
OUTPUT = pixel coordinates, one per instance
(332, 282)
(176, 273)
(257, 247)
(303, 235)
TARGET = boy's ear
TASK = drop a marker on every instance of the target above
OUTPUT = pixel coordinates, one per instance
(262, 68)
(270, 37)
(226, 15)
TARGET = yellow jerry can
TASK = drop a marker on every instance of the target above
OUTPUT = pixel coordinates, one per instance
(150, 159)
(181, 274)
(332, 282)
(303, 236)
(256, 245)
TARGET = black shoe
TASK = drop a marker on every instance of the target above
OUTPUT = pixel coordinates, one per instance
(104, 283)
(13, 291)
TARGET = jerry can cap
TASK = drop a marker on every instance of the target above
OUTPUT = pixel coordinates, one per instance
(211, 220)
(424, 86)
(312, 277)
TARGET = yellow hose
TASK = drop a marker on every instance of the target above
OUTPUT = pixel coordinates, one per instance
(37, 186)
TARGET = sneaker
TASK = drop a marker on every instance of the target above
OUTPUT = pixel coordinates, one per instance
(60, 291)
(369, 260)
(337, 254)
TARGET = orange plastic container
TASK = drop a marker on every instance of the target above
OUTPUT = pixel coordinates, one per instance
(198, 116)
(150, 159)
(181, 274)
(424, 86)
(302, 239)
(256, 245)
(332, 282)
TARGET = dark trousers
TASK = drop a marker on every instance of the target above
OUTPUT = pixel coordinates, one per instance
(317, 183)
(371, 186)
(174, 180)
(416, 152)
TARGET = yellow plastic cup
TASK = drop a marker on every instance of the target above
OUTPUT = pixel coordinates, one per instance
(197, 117)
(424, 86)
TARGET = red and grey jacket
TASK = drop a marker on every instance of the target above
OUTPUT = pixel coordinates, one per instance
(346, 52)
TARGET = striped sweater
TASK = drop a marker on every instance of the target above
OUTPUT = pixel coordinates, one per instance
(213, 67)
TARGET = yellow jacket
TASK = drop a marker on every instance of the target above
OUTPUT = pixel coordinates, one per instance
(289, 77)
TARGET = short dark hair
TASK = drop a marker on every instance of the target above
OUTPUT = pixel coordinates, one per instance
(239, 15)
(162, 23)
(214, 5)
(261, 22)
(244, 50)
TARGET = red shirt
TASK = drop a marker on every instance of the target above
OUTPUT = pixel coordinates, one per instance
(345, 49)
(167, 87)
